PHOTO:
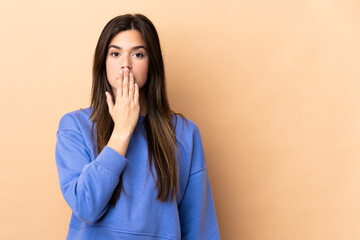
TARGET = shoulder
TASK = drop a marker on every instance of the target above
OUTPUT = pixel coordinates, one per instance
(75, 120)
(185, 125)
(188, 134)
(190, 145)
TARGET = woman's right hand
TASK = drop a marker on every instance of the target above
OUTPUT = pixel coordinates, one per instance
(125, 112)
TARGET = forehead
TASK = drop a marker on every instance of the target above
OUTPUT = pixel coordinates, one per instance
(128, 38)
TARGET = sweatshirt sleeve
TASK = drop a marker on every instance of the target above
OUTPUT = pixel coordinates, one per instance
(86, 185)
(197, 210)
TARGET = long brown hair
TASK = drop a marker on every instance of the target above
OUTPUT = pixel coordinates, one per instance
(158, 122)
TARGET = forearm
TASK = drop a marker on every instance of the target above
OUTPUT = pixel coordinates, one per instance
(86, 185)
(119, 141)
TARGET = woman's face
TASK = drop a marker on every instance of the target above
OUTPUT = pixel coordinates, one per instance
(127, 50)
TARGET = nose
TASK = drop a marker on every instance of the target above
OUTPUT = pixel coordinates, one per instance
(126, 63)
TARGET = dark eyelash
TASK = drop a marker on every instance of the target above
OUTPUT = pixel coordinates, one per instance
(141, 55)
(115, 54)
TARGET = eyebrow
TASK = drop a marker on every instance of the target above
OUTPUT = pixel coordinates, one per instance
(134, 48)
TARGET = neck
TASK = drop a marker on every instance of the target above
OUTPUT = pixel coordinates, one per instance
(142, 101)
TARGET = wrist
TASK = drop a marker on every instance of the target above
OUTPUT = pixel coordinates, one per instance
(122, 133)
(118, 146)
(119, 142)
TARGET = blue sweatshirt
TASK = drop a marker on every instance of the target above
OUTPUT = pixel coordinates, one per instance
(87, 181)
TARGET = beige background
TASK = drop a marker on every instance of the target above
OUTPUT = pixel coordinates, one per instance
(273, 86)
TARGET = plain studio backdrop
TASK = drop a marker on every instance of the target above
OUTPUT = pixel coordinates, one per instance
(273, 86)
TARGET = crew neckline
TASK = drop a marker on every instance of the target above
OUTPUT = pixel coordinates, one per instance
(141, 119)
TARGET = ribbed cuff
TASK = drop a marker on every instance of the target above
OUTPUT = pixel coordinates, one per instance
(111, 160)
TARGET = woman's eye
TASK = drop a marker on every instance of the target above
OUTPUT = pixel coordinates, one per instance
(139, 55)
(115, 54)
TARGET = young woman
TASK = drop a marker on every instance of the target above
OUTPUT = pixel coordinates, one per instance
(129, 167)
